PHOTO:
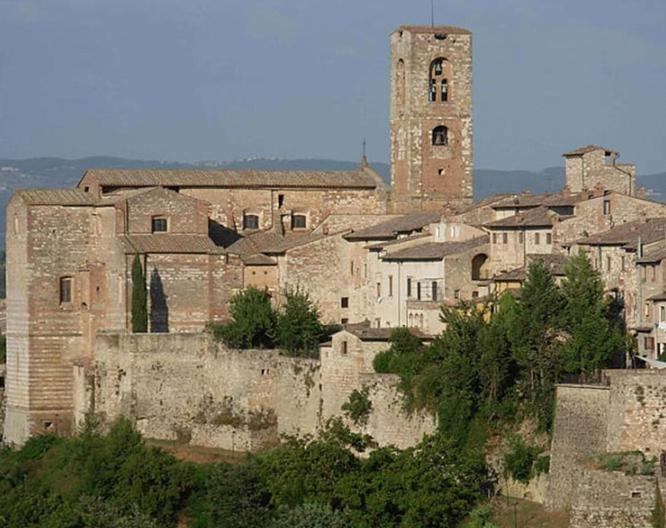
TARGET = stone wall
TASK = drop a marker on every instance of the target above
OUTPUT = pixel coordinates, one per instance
(186, 388)
(579, 431)
(604, 499)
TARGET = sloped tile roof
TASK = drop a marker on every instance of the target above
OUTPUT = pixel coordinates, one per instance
(56, 197)
(435, 250)
(392, 228)
(627, 235)
(170, 243)
(554, 262)
(586, 149)
(357, 179)
(535, 200)
(389, 243)
(367, 333)
(539, 217)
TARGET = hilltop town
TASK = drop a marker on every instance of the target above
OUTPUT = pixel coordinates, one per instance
(371, 257)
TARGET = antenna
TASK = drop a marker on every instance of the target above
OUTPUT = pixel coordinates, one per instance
(364, 159)
(432, 13)
(363, 149)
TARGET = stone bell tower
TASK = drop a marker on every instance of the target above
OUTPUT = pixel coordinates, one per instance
(431, 117)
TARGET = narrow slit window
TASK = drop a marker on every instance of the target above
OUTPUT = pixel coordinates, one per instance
(65, 290)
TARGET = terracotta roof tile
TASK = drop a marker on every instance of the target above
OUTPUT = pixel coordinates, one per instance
(358, 179)
(367, 333)
(56, 197)
(586, 149)
(627, 235)
(392, 228)
(170, 243)
(435, 250)
(539, 217)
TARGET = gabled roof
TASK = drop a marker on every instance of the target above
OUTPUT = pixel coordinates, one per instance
(389, 243)
(586, 149)
(358, 179)
(55, 197)
(272, 242)
(170, 243)
(525, 200)
(396, 226)
(538, 217)
(435, 250)
(627, 235)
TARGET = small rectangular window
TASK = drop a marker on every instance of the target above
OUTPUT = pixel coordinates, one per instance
(344, 302)
(65, 290)
(456, 294)
(250, 221)
(344, 348)
(418, 291)
(622, 264)
(298, 221)
(280, 200)
(505, 238)
(494, 238)
(434, 290)
(537, 239)
(475, 294)
(654, 273)
(344, 321)
(159, 225)
(379, 290)
(607, 207)
(649, 343)
(409, 287)
(521, 237)
(390, 285)
(662, 314)
(549, 238)
(608, 263)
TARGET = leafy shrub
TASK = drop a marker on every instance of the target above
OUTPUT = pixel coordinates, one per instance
(310, 515)
(358, 406)
(297, 328)
(541, 465)
(520, 459)
(480, 518)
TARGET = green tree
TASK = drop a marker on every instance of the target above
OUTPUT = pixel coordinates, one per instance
(534, 336)
(253, 321)
(298, 329)
(139, 298)
(310, 515)
(595, 338)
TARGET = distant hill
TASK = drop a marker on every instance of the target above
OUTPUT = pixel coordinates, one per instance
(59, 172)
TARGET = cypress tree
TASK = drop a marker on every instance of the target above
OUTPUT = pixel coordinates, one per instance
(139, 299)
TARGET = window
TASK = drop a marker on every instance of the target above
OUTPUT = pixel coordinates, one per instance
(549, 238)
(418, 291)
(649, 343)
(65, 290)
(344, 302)
(654, 273)
(521, 237)
(280, 200)
(440, 136)
(378, 322)
(159, 224)
(441, 172)
(438, 90)
(494, 238)
(622, 263)
(475, 294)
(344, 321)
(409, 287)
(298, 221)
(86, 189)
(433, 286)
(351, 268)
(456, 294)
(607, 207)
(608, 263)
(505, 238)
(344, 348)
(537, 239)
(379, 290)
(390, 285)
(647, 310)
(662, 314)
(250, 221)
(400, 81)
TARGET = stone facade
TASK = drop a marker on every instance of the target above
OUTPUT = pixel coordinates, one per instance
(593, 166)
(431, 116)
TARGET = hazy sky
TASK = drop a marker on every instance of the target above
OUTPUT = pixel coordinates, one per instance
(226, 79)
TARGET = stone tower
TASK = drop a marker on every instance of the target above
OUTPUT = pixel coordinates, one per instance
(431, 117)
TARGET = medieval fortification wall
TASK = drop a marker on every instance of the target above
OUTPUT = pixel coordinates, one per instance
(187, 388)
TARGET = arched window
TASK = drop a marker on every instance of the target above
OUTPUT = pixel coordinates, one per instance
(440, 71)
(400, 82)
(479, 270)
(440, 136)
